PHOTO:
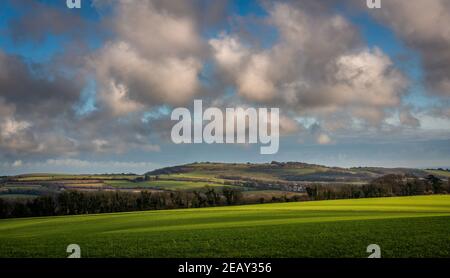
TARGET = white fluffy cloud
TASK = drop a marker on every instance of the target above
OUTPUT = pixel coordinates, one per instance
(154, 59)
(323, 139)
(10, 127)
(318, 66)
(12, 131)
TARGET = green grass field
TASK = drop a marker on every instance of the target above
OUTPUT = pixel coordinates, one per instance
(439, 173)
(165, 184)
(403, 227)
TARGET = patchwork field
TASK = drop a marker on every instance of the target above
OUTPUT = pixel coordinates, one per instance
(276, 178)
(281, 172)
(164, 184)
(403, 227)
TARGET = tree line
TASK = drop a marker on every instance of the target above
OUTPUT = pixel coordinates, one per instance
(72, 202)
(386, 186)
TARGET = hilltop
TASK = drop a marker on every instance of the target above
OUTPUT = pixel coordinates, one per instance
(284, 172)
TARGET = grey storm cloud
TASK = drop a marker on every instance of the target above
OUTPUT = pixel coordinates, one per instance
(37, 92)
(425, 27)
(38, 116)
(37, 20)
(33, 106)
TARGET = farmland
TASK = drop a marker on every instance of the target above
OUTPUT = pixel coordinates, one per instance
(288, 178)
(402, 226)
(259, 183)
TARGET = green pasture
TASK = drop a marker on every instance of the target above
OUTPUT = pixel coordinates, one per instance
(401, 226)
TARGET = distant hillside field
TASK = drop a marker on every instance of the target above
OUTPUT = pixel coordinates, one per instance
(281, 171)
(401, 226)
(275, 179)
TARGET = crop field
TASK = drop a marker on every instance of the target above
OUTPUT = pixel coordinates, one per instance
(164, 184)
(401, 226)
(440, 173)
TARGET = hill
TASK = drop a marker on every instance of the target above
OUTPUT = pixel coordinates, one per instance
(288, 173)
(276, 179)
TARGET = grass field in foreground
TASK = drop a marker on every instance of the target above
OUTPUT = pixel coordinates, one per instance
(403, 227)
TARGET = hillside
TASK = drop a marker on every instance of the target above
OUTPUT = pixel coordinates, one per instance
(290, 173)
(266, 180)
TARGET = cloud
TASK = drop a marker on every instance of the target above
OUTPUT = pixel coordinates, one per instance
(425, 27)
(9, 126)
(116, 98)
(35, 21)
(407, 118)
(31, 107)
(154, 58)
(39, 90)
(38, 116)
(323, 139)
(78, 166)
(440, 112)
(17, 163)
(85, 164)
(155, 54)
(318, 66)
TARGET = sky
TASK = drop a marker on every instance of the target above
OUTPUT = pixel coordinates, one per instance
(91, 90)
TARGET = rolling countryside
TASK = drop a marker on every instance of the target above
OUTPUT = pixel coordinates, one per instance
(276, 177)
